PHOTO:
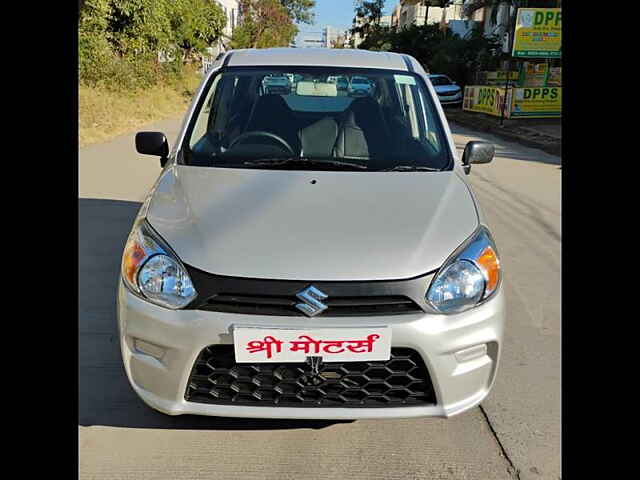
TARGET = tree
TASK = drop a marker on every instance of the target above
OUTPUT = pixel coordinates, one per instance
(300, 11)
(94, 46)
(119, 41)
(140, 27)
(442, 52)
(368, 14)
(266, 23)
(196, 25)
(339, 42)
(370, 10)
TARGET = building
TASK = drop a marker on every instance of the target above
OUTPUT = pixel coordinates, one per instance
(385, 21)
(329, 36)
(419, 12)
(395, 17)
(412, 12)
(347, 39)
(231, 9)
(310, 39)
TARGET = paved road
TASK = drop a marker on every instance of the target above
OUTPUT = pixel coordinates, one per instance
(518, 425)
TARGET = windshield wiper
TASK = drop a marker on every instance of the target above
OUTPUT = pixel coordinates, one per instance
(304, 161)
(410, 168)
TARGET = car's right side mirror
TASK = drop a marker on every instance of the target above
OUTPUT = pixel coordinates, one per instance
(477, 152)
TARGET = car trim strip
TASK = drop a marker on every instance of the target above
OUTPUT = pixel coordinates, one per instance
(407, 62)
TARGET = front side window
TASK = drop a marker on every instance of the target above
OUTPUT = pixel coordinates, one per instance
(316, 118)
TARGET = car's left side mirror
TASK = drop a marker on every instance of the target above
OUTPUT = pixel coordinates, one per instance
(153, 143)
(477, 152)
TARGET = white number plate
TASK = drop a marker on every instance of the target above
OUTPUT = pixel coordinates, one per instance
(260, 345)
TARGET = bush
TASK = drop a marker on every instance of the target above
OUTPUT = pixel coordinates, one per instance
(119, 40)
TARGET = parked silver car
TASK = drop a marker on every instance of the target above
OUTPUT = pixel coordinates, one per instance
(312, 255)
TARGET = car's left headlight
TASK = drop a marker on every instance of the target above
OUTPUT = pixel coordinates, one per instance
(469, 277)
(150, 269)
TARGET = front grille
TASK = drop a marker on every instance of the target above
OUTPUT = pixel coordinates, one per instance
(448, 94)
(286, 305)
(403, 380)
(255, 296)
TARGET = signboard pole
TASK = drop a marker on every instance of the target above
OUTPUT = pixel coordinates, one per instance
(511, 32)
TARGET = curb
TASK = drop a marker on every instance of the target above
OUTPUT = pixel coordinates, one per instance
(543, 142)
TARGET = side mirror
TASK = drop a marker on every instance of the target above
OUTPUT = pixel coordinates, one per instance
(153, 143)
(477, 152)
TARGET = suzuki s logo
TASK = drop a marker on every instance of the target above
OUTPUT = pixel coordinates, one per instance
(311, 297)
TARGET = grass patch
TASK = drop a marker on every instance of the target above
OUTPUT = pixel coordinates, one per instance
(106, 113)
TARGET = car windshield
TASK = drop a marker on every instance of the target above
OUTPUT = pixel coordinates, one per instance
(296, 118)
(439, 81)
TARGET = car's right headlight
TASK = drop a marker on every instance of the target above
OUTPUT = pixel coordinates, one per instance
(152, 270)
(469, 277)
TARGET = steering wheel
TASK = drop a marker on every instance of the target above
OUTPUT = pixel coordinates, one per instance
(260, 133)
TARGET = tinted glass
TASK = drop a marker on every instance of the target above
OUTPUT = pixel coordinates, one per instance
(439, 81)
(251, 117)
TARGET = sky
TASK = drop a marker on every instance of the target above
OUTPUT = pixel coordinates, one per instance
(336, 13)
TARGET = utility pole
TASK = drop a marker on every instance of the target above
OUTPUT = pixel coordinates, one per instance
(510, 38)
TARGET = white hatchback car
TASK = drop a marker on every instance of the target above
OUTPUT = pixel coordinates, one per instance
(448, 91)
(310, 254)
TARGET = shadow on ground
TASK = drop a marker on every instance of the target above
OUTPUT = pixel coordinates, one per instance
(105, 396)
(536, 154)
(506, 153)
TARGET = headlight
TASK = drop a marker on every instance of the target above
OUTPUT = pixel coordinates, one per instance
(151, 270)
(470, 276)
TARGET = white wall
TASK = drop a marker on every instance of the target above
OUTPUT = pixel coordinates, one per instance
(230, 7)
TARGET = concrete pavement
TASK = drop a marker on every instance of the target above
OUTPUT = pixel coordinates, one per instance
(122, 438)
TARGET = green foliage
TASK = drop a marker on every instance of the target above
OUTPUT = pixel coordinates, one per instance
(94, 48)
(371, 11)
(440, 52)
(140, 27)
(265, 23)
(300, 11)
(119, 40)
(196, 24)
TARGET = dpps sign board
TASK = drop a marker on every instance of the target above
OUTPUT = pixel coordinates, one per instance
(538, 33)
(530, 102)
(536, 102)
(485, 99)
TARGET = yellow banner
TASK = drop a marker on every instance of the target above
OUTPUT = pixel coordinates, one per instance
(483, 99)
(500, 77)
(536, 102)
(538, 33)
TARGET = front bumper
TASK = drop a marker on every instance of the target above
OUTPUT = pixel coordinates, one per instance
(159, 348)
(450, 99)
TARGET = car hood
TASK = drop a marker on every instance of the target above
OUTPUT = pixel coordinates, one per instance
(304, 225)
(447, 89)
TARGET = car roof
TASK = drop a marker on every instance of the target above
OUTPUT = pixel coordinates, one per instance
(325, 57)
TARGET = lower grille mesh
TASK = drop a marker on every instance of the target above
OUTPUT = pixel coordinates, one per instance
(402, 380)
